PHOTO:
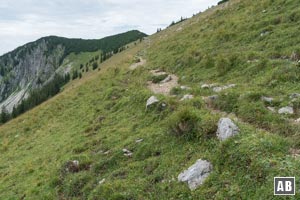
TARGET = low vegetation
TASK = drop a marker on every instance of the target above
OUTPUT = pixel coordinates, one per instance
(80, 153)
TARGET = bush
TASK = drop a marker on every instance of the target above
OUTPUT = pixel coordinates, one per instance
(227, 102)
(185, 123)
(95, 65)
(73, 186)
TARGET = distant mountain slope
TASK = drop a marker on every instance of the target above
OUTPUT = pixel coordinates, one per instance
(32, 65)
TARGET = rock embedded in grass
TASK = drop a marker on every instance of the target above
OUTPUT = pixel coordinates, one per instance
(286, 110)
(221, 88)
(267, 99)
(167, 79)
(226, 129)
(294, 95)
(187, 97)
(196, 174)
(127, 153)
(152, 100)
(207, 86)
(272, 109)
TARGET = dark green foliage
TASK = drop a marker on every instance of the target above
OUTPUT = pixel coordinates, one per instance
(223, 1)
(173, 22)
(185, 123)
(40, 95)
(75, 74)
(107, 45)
(4, 115)
(95, 65)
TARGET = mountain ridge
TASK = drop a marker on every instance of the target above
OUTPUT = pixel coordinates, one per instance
(33, 64)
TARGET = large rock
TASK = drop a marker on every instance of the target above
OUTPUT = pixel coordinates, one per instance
(196, 174)
(226, 129)
(286, 110)
(152, 100)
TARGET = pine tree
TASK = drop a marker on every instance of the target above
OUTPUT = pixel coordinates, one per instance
(4, 116)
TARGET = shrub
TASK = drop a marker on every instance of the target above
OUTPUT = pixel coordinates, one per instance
(95, 65)
(73, 185)
(223, 65)
(185, 123)
(175, 91)
(227, 102)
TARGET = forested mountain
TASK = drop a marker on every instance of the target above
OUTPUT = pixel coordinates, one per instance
(34, 64)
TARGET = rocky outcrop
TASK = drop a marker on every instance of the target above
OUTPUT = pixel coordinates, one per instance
(27, 68)
(286, 110)
(226, 129)
(196, 174)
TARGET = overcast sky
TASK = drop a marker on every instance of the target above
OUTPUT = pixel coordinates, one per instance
(23, 21)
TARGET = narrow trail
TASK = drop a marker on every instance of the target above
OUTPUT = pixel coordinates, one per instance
(140, 63)
(165, 86)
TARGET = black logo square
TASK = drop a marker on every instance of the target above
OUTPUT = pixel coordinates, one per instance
(284, 185)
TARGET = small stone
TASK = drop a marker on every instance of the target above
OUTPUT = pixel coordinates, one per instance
(226, 129)
(207, 86)
(286, 110)
(297, 121)
(106, 152)
(294, 95)
(221, 88)
(196, 174)
(127, 153)
(187, 97)
(213, 97)
(267, 99)
(272, 109)
(184, 87)
(139, 140)
(102, 181)
(152, 100)
(167, 79)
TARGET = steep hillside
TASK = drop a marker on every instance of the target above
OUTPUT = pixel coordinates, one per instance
(98, 140)
(34, 64)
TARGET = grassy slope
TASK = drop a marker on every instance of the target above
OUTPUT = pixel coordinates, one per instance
(106, 111)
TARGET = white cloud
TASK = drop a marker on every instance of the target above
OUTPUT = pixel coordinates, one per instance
(28, 20)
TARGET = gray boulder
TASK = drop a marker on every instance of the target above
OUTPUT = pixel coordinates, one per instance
(196, 174)
(286, 110)
(152, 100)
(226, 129)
